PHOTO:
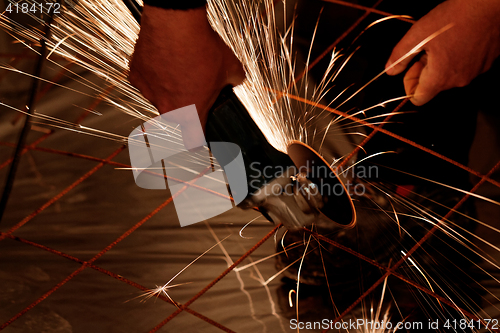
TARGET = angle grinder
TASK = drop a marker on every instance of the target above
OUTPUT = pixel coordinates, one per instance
(297, 189)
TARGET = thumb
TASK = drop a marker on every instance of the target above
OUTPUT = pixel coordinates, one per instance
(411, 80)
(426, 89)
(420, 82)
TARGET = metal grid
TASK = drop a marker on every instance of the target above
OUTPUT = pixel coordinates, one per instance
(83, 264)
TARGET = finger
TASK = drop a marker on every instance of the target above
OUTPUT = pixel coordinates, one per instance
(412, 77)
(428, 86)
(401, 56)
(424, 92)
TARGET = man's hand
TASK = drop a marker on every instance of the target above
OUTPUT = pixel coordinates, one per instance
(180, 60)
(454, 57)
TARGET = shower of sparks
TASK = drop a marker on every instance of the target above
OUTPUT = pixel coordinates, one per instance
(100, 38)
(266, 55)
(264, 44)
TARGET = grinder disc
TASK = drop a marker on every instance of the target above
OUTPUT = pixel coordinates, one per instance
(338, 206)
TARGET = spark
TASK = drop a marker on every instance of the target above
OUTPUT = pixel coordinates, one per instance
(274, 276)
(255, 262)
(270, 67)
(101, 39)
(418, 269)
(368, 157)
(290, 301)
(416, 49)
(377, 316)
(247, 224)
(159, 290)
(482, 197)
(298, 278)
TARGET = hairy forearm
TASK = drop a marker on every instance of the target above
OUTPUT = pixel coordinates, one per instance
(179, 60)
